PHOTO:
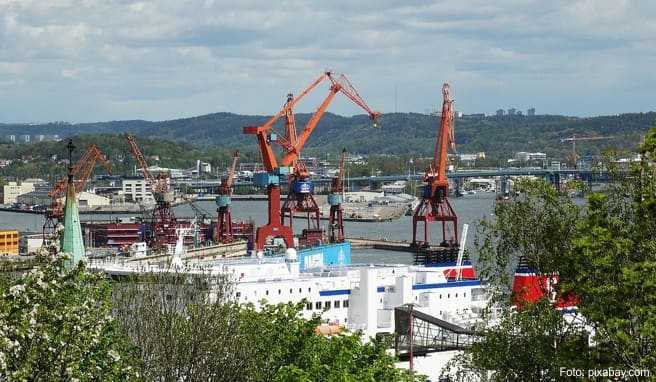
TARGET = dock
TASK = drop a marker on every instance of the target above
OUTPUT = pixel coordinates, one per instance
(422, 255)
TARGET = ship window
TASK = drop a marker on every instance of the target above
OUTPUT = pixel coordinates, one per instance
(308, 306)
(290, 291)
(345, 304)
(345, 320)
(448, 295)
(456, 295)
(279, 291)
(440, 296)
(267, 292)
(309, 289)
(317, 305)
(464, 294)
(300, 290)
(327, 305)
(337, 304)
(238, 294)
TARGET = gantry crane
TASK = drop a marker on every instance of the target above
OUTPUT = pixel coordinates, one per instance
(164, 222)
(434, 205)
(224, 233)
(81, 171)
(335, 199)
(300, 198)
(573, 156)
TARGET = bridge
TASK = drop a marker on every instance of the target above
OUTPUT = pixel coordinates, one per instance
(552, 175)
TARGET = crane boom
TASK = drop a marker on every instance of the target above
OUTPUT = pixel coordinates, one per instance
(292, 149)
(138, 156)
(445, 139)
(81, 171)
(230, 177)
(337, 185)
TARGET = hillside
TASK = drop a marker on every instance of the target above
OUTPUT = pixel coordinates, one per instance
(401, 133)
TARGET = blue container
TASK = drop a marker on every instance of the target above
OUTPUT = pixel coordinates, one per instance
(282, 171)
(326, 255)
(223, 200)
(334, 199)
(264, 179)
(302, 187)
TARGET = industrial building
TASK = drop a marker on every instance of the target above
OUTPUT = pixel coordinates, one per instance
(9, 240)
(12, 190)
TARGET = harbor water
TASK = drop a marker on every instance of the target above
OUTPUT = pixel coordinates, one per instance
(470, 209)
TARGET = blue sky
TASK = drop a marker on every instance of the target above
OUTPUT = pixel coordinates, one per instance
(91, 60)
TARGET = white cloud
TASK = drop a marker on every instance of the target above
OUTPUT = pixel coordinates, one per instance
(163, 59)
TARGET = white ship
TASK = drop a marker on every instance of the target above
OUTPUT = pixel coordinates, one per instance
(358, 297)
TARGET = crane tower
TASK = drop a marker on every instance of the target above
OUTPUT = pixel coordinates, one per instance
(300, 197)
(434, 205)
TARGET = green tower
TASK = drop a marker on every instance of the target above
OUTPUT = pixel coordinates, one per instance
(72, 242)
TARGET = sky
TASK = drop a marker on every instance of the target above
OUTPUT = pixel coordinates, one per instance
(97, 60)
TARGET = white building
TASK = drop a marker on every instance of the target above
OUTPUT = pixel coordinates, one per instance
(395, 187)
(88, 199)
(173, 173)
(137, 190)
(523, 156)
(12, 190)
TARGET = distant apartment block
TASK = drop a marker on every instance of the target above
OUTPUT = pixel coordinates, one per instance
(500, 113)
(470, 159)
(512, 111)
(531, 112)
(12, 190)
(523, 156)
(137, 190)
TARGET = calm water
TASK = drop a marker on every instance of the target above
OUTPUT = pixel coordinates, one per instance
(470, 209)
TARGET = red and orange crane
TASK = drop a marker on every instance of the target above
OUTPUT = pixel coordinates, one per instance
(335, 199)
(224, 232)
(164, 222)
(82, 173)
(300, 198)
(434, 205)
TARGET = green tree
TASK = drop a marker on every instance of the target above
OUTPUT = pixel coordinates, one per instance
(191, 328)
(604, 253)
(285, 347)
(56, 324)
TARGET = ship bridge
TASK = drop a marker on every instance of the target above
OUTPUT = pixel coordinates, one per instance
(418, 333)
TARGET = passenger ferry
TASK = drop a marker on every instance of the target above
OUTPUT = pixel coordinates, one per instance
(353, 296)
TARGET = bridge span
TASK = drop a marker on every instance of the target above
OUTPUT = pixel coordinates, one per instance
(551, 175)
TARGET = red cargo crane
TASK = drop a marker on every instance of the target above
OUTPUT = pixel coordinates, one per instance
(82, 173)
(300, 198)
(434, 205)
(164, 222)
(335, 199)
(224, 233)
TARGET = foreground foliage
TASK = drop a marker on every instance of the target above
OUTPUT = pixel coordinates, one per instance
(187, 330)
(605, 254)
(56, 324)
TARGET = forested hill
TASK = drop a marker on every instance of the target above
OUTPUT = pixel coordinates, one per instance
(401, 133)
